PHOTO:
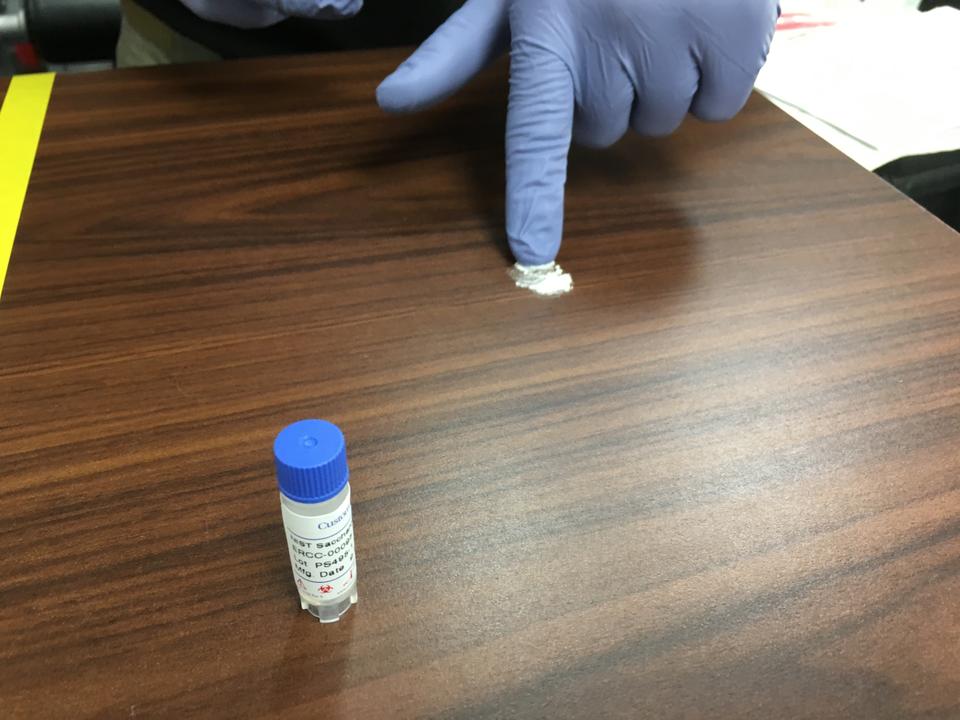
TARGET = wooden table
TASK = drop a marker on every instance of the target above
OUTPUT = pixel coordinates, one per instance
(720, 479)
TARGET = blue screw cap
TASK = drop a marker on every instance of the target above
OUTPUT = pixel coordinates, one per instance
(311, 460)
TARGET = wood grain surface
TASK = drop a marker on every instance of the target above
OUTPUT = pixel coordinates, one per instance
(721, 479)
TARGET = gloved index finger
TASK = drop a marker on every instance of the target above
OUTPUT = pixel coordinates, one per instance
(539, 132)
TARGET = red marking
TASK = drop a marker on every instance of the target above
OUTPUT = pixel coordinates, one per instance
(800, 21)
(803, 25)
(26, 56)
(325, 589)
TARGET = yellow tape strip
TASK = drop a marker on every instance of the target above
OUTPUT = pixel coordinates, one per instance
(21, 120)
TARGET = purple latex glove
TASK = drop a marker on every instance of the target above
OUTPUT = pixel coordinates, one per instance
(261, 13)
(589, 70)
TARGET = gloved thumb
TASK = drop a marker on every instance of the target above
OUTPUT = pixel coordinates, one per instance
(474, 36)
(319, 9)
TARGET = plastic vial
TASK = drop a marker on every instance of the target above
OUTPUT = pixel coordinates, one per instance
(312, 473)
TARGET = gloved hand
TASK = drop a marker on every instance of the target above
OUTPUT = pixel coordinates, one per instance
(587, 69)
(261, 13)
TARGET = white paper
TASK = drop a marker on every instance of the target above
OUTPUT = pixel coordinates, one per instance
(877, 80)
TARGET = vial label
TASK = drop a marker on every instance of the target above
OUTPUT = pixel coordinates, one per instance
(321, 552)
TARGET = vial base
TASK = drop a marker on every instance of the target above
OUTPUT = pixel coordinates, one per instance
(330, 612)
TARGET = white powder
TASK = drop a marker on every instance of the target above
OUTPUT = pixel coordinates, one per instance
(549, 279)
